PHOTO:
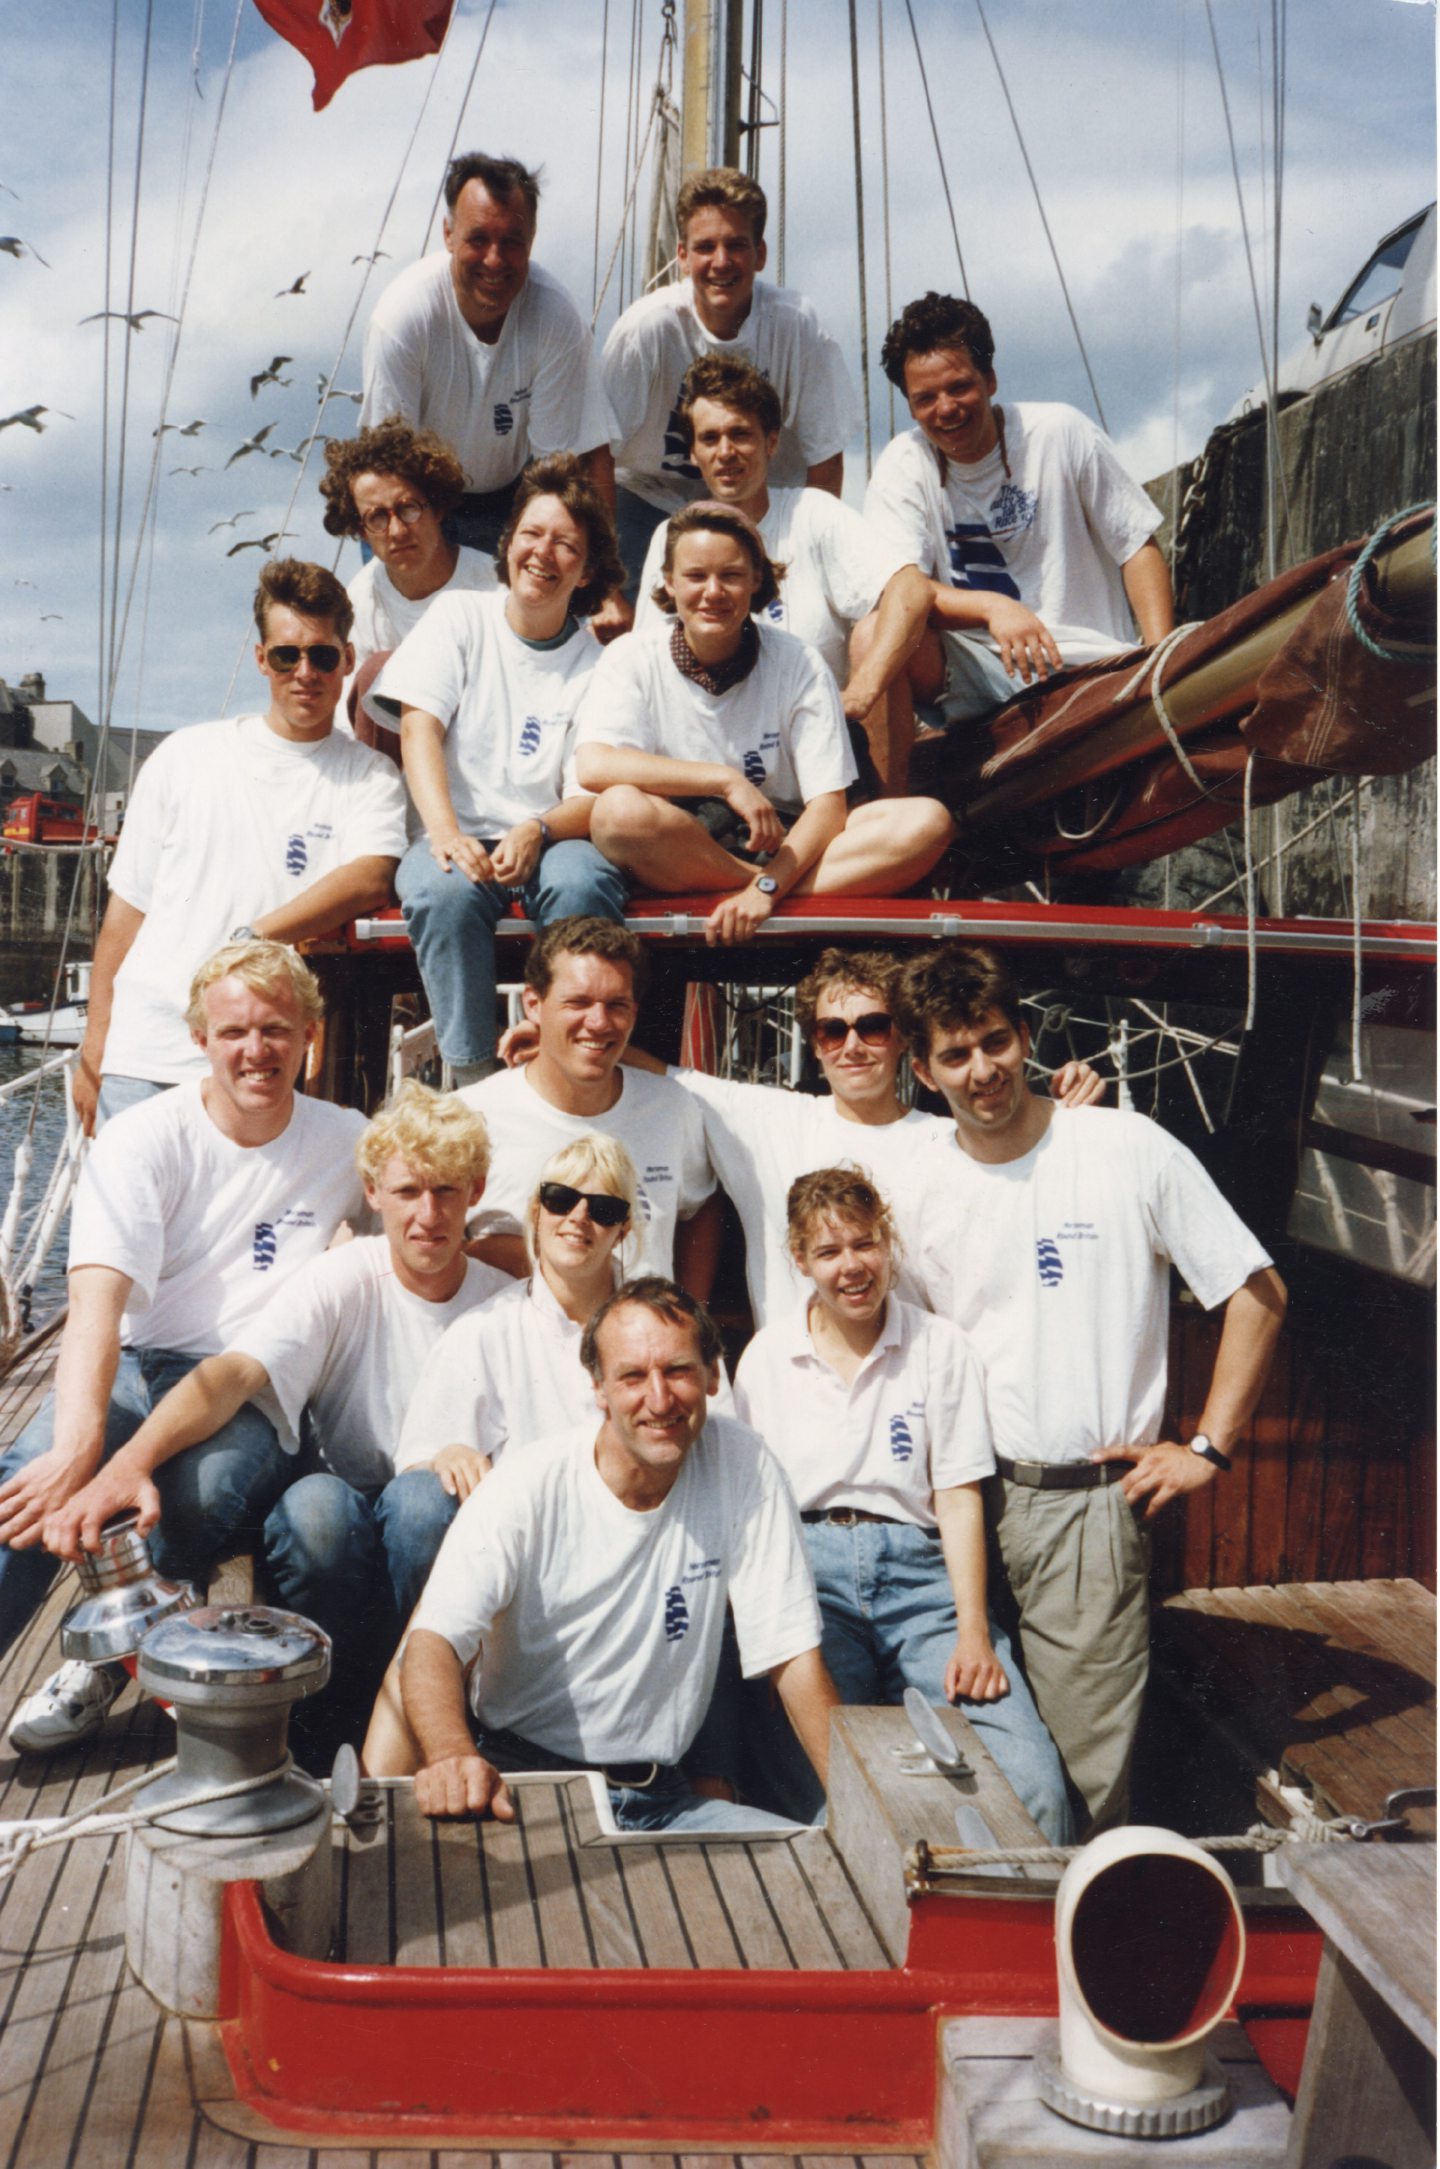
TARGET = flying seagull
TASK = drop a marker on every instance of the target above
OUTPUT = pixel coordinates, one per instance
(135, 320)
(271, 375)
(24, 583)
(261, 542)
(189, 470)
(280, 451)
(373, 258)
(334, 393)
(230, 523)
(251, 444)
(297, 288)
(14, 246)
(51, 617)
(8, 191)
(29, 418)
(191, 429)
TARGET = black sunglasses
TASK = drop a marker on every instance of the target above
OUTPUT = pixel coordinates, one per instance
(320, 656)
(872, 1030)
(606, 1211)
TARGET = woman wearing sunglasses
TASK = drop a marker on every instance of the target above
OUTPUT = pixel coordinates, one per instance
(876, 1411)
(515, 1374)
(485, 689)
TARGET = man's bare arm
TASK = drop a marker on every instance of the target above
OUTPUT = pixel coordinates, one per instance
(598, 467)
(453, 1779)
(809, 1695)
(1151, 595)
(121, 923)
(84, 1378)
(827, 474)
(697, 1248)
(362, 884)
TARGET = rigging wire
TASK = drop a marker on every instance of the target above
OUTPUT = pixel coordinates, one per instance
(124, 430)
(939, 154)
(1178, 347)
(102, 655)
(600, 156)
(860, 230)
(1040, 207)
(885, 193)
(434, 77)
(632, 134)
(753, 121)
(783, 111)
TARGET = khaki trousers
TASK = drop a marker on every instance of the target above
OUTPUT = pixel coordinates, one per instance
(1077, 1565)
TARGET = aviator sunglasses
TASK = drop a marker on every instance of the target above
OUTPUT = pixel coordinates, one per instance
(606, 1211)
(321, 655)
(872, 1030)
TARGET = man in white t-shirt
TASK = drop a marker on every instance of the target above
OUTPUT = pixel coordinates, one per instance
(1040, 543)
(332, 1360)
(479, 344)
(587, 1582)
(718, 308)
(393, 486)
(1048, 1234)
(272, 825)
(191, 1211)
(583, 981)
(846, 590)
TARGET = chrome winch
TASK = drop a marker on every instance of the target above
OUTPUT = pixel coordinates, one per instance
(231, 1674)
(123, 1596)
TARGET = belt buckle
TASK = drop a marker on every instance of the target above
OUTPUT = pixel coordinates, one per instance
(634, 1784)
(1031, 1473)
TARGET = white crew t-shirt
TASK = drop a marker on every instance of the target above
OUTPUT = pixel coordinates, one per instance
(836, 567)
(383, 616)
(206, 1229)
(228, 821)
(505, 1375)
(782, 726)
(760, 1139)
(1057, 1265)
(1054, 532)
(653, 344)
(911, 1421)
(348, 1342)
(508, 707)
(598, 1626)
(659, 1126)
(536, 390)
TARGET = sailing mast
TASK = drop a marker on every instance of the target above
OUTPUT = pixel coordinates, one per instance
(710, 109)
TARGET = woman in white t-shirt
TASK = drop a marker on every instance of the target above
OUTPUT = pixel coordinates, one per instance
(722, 752)
(876, 1411)
(486, 688)
(514, 1374)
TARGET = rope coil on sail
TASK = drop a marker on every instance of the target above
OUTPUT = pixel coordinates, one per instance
(1353, 586)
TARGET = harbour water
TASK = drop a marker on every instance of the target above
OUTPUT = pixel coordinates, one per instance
(16, 1109)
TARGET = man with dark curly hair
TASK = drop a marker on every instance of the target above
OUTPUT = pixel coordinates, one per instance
(393, 486)
(1041, 543)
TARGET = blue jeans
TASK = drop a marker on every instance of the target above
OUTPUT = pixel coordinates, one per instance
(667, 1804)
(635, 522)
(118, 1093)
(452, 923)
(888, 1615)
(212, 1497)
(354, 1560)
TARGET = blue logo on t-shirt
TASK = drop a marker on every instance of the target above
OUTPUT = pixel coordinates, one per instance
(263, 1248)
(677, 1613)
(975, 561)
(504, 419)
(675, 459)
(902, 1446)
(754, 769)
(530, 735)
(1012, 510)
(775, 611)
(297, 858)
(1047, 1257)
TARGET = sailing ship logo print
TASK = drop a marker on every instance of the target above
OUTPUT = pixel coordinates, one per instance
(902, 1445)
(297, 858)
(530, 735)
(262, 1250)
(1047, 1257)
(504, 419)
(754, 769)
(677, 1613)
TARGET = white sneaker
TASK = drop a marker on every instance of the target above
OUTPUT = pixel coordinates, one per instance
(69, 1709)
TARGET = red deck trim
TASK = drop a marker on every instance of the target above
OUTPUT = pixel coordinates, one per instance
(682, 918)
(815, 2062)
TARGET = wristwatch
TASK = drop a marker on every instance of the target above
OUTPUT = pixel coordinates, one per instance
(767, 884)
(1208, 1451)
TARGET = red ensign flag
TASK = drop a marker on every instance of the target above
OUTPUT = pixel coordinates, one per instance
(339, 36)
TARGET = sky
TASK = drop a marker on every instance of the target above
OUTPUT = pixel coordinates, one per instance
(1120, 112)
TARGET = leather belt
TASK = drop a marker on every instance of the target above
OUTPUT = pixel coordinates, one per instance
(846, 1517)
(1063, 1475)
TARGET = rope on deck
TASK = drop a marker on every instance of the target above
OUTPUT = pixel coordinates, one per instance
(100, 1820)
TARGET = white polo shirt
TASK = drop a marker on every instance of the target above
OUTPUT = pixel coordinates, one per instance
(599, 1626)
(911, 1421)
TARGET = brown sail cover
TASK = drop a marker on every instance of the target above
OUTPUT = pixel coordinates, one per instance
(1081, 772)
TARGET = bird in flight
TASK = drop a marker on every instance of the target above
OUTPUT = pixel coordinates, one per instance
(189, 470)
(230, 523)
(260, 542)
(191, 429)
(135, 320)
(297, 288)
(373, 257)
(271, 375)
(280, 451)
(14, 246)
(251, 444)
(51, 617)
(322, 394)
(24, 583)
(29, 418)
